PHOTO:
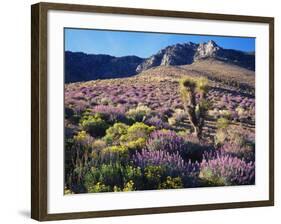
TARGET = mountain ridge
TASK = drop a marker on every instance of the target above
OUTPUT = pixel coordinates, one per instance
(80, 66)
(193, 52)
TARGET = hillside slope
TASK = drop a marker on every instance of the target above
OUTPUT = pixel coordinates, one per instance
(158, 89)
(84, 67)
(221, 73)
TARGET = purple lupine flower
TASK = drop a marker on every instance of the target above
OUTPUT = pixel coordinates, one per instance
(80, 106)
(224, 169)
(174, 163)
(110, 112)
(246, 152)
(157, 122)
(166, 140)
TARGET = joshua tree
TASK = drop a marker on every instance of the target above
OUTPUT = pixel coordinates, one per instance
(193, 94)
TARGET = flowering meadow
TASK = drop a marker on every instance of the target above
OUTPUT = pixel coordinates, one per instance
(151, 132)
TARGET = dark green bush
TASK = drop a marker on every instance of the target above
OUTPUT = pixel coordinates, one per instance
(108, 174)
(68, 112)
(94, 125)
(153, 175)
(113, 177)
(133, 174)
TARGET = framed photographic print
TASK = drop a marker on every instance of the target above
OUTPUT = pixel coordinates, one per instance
(138, 111)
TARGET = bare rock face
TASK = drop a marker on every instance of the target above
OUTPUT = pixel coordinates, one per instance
(206, 50)
(179, 54)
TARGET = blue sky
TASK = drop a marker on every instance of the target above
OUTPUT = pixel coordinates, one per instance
(121, 43)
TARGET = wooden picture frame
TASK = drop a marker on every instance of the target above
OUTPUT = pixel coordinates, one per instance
(39, 110)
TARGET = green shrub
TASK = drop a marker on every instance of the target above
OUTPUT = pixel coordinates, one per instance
(115, 154)
(93, 182)
(108, 174)
(94, 125)
(172, 183)
(117, 189)
(136, 145)
(77, 158)
(222, 123)
(136, 136)
(129, 186)
(136, 131)
(232, 134)
(114, 133)
(210, 178)
(97, 147)
(133, 174)
(139, 113)
(68, 191)
(98, 187)
(153, 176)
(113, 177)
(83, 138)
(82, 147)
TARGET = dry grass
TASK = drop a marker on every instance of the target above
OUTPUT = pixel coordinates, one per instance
(221, 70)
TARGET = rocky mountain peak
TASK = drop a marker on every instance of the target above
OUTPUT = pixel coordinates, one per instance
(187, 53)
(205, 50)
(178, 54)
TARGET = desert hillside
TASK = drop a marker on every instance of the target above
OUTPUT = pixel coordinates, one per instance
(231, 88)
(175, 123)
